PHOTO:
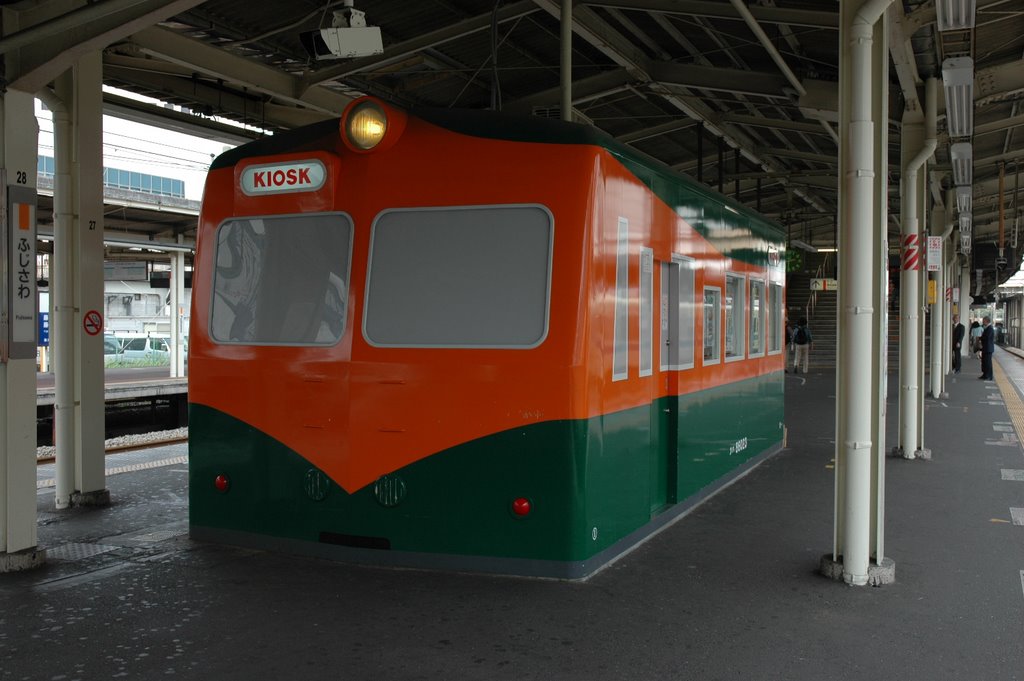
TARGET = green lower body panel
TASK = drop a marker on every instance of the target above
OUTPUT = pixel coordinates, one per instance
(595, 487)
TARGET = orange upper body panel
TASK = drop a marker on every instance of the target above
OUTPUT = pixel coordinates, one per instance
(357, 411)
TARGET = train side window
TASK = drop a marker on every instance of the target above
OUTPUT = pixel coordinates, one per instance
(646, 310)
(282, 280)
(620, 350)
(687, 317)
(757, 317)
(735, 336)
(462, 277)
(712, 324)
(774, 318)
(669, 349)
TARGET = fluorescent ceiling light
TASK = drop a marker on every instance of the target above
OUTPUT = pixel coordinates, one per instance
(958, 82)
(952, 15)
(829, 249)
(965, 223)
(804, 245)
(962, 156)
(963, 199)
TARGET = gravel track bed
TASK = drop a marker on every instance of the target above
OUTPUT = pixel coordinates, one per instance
(137, 440)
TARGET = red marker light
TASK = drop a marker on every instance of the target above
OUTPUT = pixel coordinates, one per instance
(521, 506)
(222, 483)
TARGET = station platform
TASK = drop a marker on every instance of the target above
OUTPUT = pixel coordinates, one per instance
(730, 591)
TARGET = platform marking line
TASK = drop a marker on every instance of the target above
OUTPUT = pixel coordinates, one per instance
(1014, 405)
(131, 468)
(1007, 440)
(1017, 514)
(1011, 474)
(1022, 581)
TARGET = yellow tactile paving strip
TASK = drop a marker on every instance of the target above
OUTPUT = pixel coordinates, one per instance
(1011, 397)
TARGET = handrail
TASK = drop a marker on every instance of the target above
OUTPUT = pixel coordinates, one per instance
(813, 299)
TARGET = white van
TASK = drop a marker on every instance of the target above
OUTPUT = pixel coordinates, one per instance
(151, 349)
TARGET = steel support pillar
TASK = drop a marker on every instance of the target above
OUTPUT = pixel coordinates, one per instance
(857, 556)
(78, 281)
(177, 311)
(19, 134)
(917, 143)
(939, 309)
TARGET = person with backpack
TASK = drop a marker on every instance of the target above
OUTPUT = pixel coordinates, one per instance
(804, 343)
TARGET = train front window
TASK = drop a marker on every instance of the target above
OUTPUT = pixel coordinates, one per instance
(476, 277)
(281, 280)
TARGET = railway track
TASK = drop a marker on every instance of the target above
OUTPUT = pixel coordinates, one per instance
(116, 449)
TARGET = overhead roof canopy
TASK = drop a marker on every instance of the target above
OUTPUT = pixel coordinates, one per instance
(741, 94)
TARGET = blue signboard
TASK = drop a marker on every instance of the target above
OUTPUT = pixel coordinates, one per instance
(44, 329)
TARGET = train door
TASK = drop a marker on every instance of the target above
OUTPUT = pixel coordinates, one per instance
(665, 409)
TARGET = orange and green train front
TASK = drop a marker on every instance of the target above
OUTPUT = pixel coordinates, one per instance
(433, 340)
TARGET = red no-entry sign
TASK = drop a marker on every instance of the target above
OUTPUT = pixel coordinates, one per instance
(92, 322)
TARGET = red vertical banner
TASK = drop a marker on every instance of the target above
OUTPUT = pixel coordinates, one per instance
(911, 252)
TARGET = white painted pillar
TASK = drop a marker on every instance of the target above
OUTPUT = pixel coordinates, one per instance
(177, 308)
(937, 372)
(917, 145)
(19, 135)
(82, 85)
(965, 308)
(62, 278)
(863, 100)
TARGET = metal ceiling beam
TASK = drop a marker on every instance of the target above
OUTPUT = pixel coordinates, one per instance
(215, 99)
(998, 126)
(798, 155)
(217, 63)
(736, 81)
(621, 51)
(902, 52)
(777, 123)
(658, 130)
(399, 51)
(718, 10)
(53, 36)
(167, 119)
(585, 89)
(997, 82)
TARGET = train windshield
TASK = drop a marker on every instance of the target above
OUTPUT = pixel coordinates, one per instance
(282, 280)
(466, 277)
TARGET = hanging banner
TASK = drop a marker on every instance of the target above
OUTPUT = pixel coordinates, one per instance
(22, 317)
(934, 253)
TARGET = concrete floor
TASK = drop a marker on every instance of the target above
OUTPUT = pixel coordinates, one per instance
(729, 592)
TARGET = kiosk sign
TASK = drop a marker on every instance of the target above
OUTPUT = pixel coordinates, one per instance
(280, 178)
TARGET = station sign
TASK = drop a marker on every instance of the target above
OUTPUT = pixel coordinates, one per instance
(824, 284)
(18, 292)
(934, 253)
(281, 178)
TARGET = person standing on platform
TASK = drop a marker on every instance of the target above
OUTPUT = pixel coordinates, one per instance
(788, 340)
(988, 346)
(958, 340)
(804, 343)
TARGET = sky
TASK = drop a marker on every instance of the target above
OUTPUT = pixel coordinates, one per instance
(144, 148)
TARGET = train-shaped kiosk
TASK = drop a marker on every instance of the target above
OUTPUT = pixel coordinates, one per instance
(466, 340)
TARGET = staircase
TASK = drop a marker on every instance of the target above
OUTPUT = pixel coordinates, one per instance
(822, 313)
(819, 307)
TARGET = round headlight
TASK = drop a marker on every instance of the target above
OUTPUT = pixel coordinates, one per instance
(367, 124)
